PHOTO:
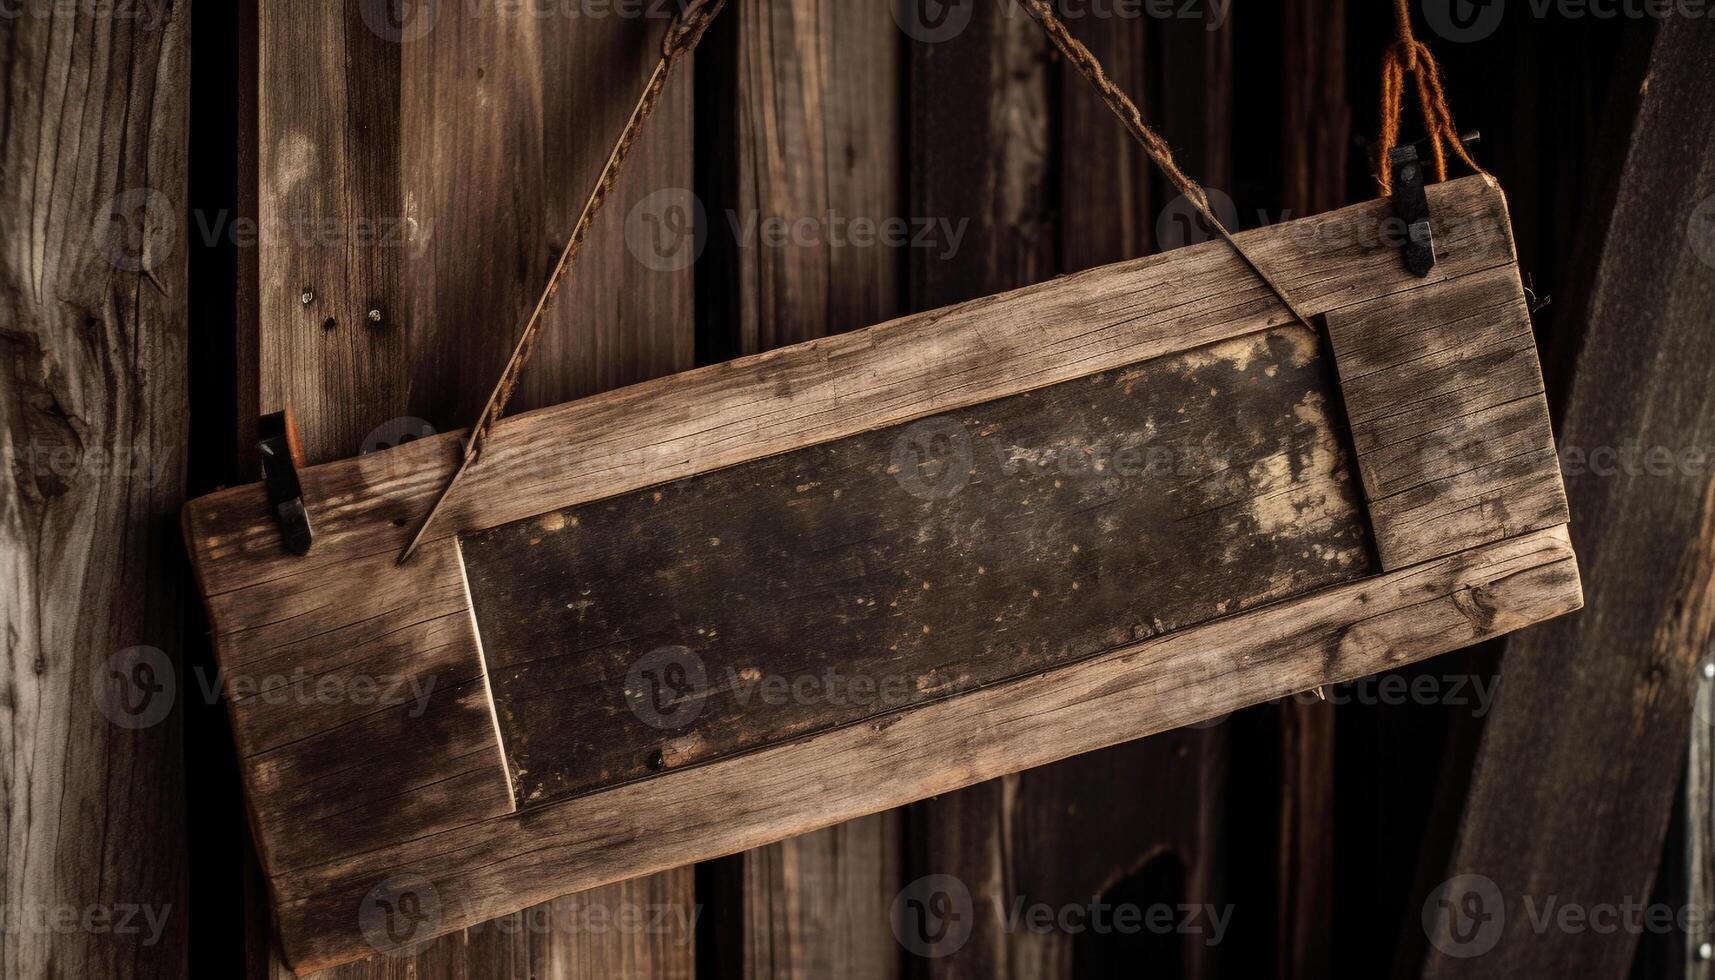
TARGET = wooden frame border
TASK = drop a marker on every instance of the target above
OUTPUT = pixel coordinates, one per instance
(345, 798)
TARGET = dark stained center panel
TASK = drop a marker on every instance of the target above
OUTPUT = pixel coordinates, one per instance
(735, 609)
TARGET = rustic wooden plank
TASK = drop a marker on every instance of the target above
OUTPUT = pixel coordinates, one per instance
(809, 101)
(1580, 754)
(860, 577)
(814, 905)
(93, 327)
(818, 136)
(408, 683)
(1449, 418)
(639, 928)
(777, 401)
(451, 151)
(271, 598)
(329, 197)
(510, 116)
(1135, 690)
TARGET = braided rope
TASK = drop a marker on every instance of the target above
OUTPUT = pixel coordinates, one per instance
(1408, 54)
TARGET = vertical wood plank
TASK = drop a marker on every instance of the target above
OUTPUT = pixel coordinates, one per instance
(1693, 882)
(802, 120)
(327, 169)
(1577, 757)
(1163, 797)
(93, 330)
(439, 162)
(981, 128)
(508, 116)
(1315, 130)
(1136, 823)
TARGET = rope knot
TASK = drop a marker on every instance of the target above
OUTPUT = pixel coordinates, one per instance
(1409, 55)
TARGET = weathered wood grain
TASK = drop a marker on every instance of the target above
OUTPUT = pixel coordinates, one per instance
(803, 101)
(813, 589)
(830, 388)
(1580, 754)
(1448, 415)
(813, 905)
(241, 596)
(93, 337)
(428, 169)
(329, 193)
(408, 683)
(1135, 690)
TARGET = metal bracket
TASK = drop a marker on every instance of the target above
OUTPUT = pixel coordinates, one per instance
(1411, 205)
(281, 458)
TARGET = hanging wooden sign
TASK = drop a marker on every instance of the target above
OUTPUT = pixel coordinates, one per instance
(692, 616)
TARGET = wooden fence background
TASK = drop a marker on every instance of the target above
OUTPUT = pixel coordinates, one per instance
(411, 170)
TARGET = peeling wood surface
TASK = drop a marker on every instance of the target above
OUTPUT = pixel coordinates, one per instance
(814, 589)
(93, 337)
(1578, 757)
